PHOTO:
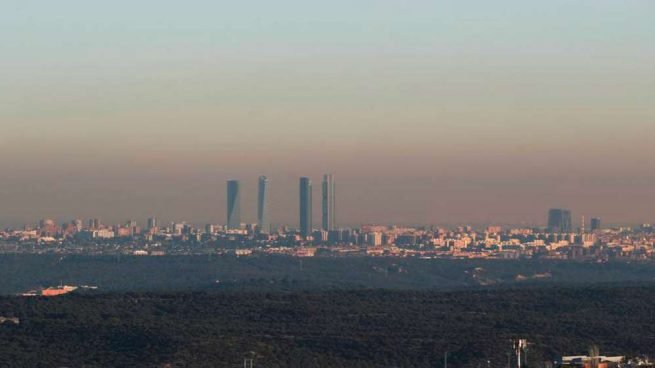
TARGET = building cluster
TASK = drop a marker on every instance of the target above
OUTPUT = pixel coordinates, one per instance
(558, 240)
(522, 349)
(518, 358)
(263, 225)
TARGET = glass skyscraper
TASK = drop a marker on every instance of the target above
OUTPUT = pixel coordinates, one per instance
(328, 203)
(233, 204)
(559, 221)
(595, 223)
(263, 221)
(305, 206)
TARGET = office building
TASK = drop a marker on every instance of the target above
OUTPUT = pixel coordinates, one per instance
(305, 207)
(78, 225)
(374, 239)
(595, 223)
(328, 203)
(233, 204)
(94, 224)
(152, 223)
(263, 221)
(559, 221)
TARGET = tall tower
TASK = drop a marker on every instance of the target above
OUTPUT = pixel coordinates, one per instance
(233, 204)
(559, 221)
(582, 225)
(595, 223)
(152, 223)
(305, 206)
(94, 224)
(567, 223)
(328, 203)
(263, 221)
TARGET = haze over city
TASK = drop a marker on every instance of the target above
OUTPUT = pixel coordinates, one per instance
(426, 112)
(320, 184)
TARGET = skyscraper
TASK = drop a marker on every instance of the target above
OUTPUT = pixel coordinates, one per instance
(595, 223)
(559, 221)
(94, 224)
(328, 203)
(233, 204)
(305, 206)
(263, 221)
(152, 223)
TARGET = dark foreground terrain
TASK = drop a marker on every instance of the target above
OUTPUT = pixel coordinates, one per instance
(281, 273)
(365, 328)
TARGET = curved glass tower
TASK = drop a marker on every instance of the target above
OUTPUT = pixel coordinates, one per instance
(233, 204)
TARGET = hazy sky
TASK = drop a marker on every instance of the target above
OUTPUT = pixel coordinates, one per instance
(426, 111)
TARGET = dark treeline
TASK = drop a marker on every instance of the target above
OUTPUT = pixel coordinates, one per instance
(365, 328)
(268, 273)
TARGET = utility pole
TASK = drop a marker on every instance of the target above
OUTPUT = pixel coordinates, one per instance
(445, 360)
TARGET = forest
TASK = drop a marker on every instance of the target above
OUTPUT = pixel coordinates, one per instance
(21, 272)
(325, 328)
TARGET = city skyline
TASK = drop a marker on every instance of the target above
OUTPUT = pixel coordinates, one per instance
(557, 220)
(327, 183)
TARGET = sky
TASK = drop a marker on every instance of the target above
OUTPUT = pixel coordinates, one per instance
(427, 112)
